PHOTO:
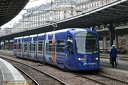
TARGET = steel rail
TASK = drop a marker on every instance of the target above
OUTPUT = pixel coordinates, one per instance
(36, 83)
(100, 75)
(53, 77)
(90, 79)
(113, 78)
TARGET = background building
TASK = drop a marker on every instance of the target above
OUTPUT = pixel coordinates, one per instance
(44, 14)
(6, 31)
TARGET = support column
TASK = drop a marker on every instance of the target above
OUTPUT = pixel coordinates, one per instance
(4, 45)
(0, 45)
(104, 43)
(116, 39)
(9, 45)
(111, 28)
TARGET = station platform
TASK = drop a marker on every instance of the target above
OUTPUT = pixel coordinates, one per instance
(9, 75)
(120, 70)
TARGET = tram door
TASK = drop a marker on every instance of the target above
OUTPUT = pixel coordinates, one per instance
(50, 44)
(70, 50)
(53, 48)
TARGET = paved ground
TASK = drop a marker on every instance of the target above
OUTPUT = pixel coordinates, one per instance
(121, 69)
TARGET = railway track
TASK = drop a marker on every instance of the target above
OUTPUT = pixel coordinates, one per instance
(98, 79)
(37, 76)
(30, 77)
(102, 79)
(67, 77)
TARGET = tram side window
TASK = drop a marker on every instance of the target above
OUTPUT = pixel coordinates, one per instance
(32, 47)
(40, 47)
(25, 47)
(47, 48)
(60, 46)
(19, 45)
(14, 46)
(50, 47)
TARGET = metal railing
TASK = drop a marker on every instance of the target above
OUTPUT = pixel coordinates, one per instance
(95, 4)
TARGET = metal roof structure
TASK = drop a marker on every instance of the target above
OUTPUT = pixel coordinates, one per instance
(115, 12)
(9, 9)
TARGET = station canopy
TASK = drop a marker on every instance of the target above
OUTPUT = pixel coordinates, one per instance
(9, 9)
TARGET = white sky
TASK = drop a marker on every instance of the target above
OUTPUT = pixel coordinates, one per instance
(31, 3)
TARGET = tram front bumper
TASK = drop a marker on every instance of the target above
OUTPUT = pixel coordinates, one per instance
(82, 65)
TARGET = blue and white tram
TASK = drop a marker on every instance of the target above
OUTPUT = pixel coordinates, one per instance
(73, 49)
(32, 47)
(25, 47)
(17, 46)
(40, 47)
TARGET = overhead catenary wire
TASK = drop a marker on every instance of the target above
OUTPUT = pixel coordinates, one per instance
(40, 6)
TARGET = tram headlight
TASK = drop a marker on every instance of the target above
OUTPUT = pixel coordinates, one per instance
(95, 58)
(81, 59)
